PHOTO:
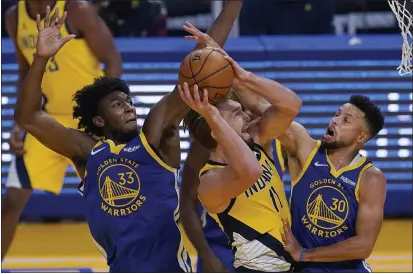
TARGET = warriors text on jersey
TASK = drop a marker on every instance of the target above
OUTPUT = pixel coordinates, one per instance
(132, 209)
(72, 68)
(253, 220)
(324, 207)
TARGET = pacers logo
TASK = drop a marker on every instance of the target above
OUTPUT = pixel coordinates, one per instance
(119, 187)
(327, 210)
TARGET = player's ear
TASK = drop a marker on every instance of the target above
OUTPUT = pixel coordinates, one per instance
(98, 121)
(213, 135)
(363, 138)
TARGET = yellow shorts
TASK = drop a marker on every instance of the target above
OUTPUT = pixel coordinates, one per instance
(40, 168)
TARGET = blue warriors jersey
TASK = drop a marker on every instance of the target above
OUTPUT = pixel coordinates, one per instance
(216, 238)
(324, 207)
(132, 209)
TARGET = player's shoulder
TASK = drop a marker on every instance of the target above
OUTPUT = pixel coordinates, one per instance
(373, 175)
(11, 14)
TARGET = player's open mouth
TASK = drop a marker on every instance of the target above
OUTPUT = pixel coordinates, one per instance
(330, 132)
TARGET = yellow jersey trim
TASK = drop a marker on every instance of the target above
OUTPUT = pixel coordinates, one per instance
(336, 173)
(307, 163)
(153, 154)
(209, 166)
(280, 156)
(356, 190)
(115, 149)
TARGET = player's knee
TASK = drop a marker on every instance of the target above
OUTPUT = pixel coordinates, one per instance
(15, 200)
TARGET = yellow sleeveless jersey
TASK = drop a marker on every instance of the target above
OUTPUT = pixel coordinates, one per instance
(73, 67)
(253, 220)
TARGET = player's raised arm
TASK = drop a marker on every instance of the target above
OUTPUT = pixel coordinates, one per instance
(283, 104)
(28, 113)
(189, 207)
(16, 141)
(371, 195)
(164, 118)
(96, 34)
(217, 188)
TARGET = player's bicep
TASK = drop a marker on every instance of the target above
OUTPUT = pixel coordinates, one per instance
(273, 123)
(164, 117)
(217, 187)
(95, 32)
(68, 142)
(372, 195)
(296, 140)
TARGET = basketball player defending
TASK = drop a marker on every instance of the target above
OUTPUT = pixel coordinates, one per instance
(248, 206)
(337, 195)
(129, 176)
(35, 166)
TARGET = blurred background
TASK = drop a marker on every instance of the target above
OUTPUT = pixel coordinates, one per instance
(323, 50)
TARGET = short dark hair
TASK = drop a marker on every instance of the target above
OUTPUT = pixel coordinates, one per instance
(373, 115)
(199, 128)
(87, 101)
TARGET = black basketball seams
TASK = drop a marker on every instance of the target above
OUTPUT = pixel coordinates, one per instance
(180, 73)
(190, 66)
(202, 66)
(206, 77)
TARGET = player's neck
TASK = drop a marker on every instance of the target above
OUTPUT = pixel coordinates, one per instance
(39, 7)
(342, 157)
(120, 139)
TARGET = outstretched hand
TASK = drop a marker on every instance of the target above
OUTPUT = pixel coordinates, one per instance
(49, 41)
(291, 244)
(202, 38)
(198, 101)
(240, 74)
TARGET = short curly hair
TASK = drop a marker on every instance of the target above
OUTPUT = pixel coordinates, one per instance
(88, 98)
(373, 115)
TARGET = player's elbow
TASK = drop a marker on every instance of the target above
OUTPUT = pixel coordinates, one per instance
(294, 104)
(365, 249)
(252, 173)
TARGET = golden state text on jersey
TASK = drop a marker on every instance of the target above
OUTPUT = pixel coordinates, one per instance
(132, 209)
(253, 219)
(324, 205)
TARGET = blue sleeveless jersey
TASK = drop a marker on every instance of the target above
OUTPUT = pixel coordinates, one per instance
(324, 207)
(132, 209)
(216, 238)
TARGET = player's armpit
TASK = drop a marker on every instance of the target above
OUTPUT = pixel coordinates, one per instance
(218, 186)
(96, 34)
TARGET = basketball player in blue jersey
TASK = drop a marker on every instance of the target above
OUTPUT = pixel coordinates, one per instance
(247, 201)
(338, 196)
(213, 249)
(130, 191)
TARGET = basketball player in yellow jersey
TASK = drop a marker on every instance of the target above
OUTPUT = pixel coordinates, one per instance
(76, 65)
(245, 196)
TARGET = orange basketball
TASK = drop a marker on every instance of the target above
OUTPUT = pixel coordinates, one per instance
(208, 69)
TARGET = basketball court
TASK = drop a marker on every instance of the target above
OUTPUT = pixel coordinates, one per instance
(69, 247)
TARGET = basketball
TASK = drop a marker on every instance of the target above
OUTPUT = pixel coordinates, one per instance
(209, 70)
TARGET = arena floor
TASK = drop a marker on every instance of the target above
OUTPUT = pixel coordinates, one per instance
(68, 245)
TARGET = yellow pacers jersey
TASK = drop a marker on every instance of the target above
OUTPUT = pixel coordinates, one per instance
(253, 220)
(73, 67)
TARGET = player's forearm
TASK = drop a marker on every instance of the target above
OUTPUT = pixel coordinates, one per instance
(276, 94)
(29, 97)
(193, 228)
(222, 26)
(113, 67)
(350, 249)
(236, 151)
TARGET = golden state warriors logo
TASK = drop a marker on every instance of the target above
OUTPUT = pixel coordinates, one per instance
(119, 186)
(327, 209)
